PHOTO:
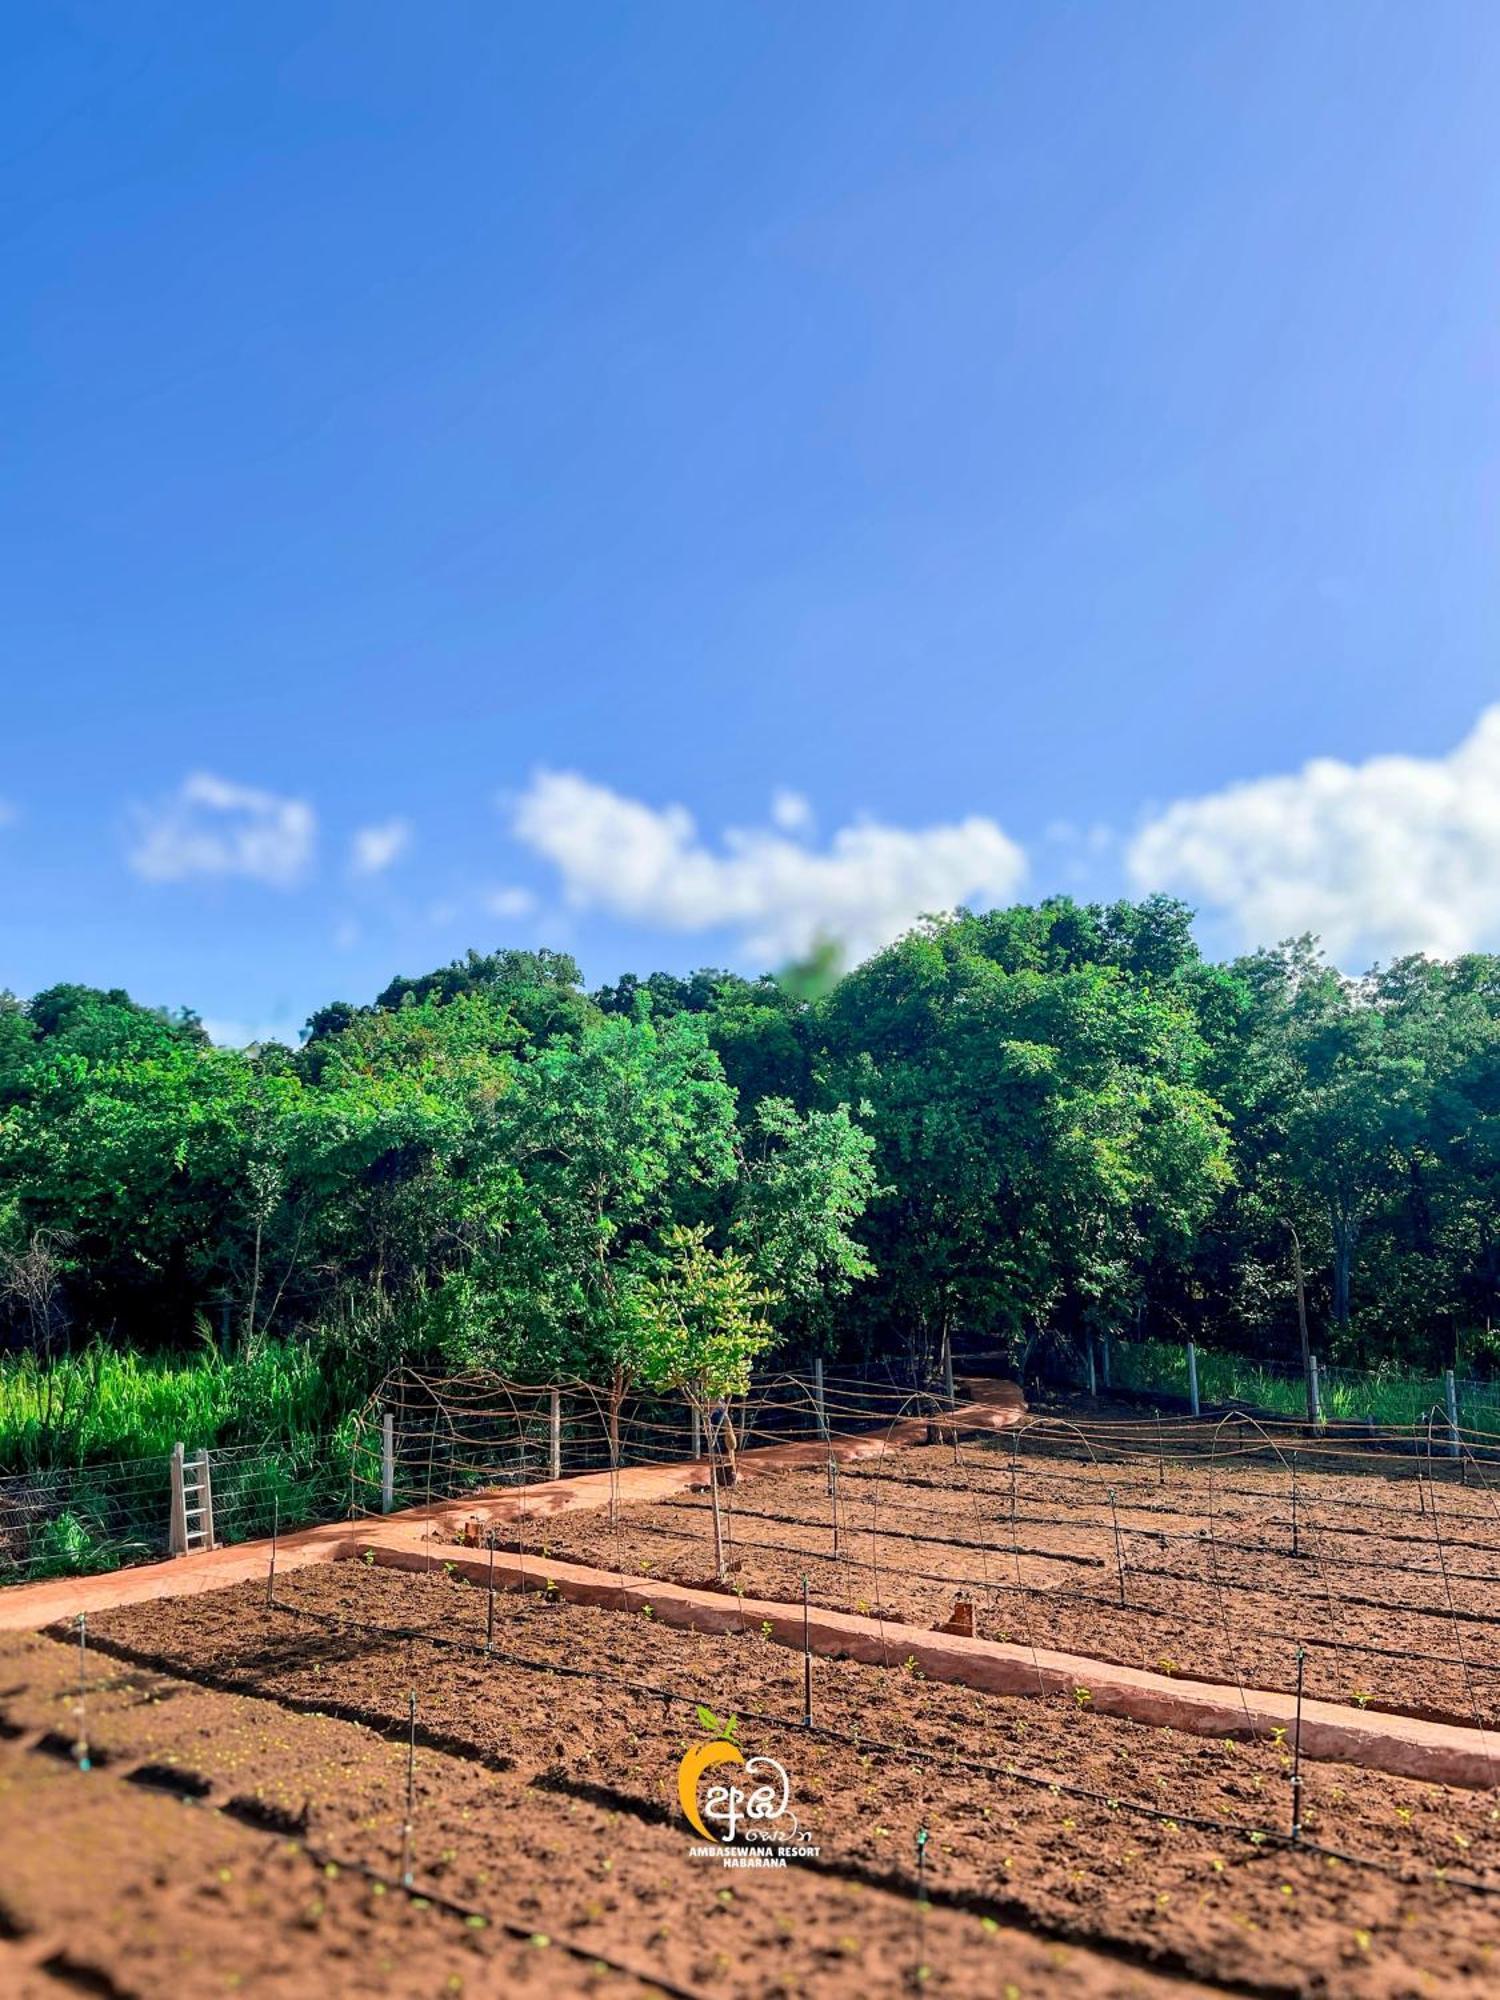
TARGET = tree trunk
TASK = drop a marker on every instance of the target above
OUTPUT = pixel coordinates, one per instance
(1344, 1234)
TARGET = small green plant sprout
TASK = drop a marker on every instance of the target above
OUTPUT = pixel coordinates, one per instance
(724, 1729)
(1361, 1697)
(1278, 1735)
(368, 1558)
(1167, 1664)
(1083, 1696)
(765, 1628)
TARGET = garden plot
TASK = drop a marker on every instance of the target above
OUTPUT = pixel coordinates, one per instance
(1219, 1569)
(255, 1844)
(1128, 1847)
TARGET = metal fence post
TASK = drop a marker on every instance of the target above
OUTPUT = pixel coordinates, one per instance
(697, 1449)
(554, 1426)
(1192, 1361)
(177, 1532)
(1088, 1355)
(948, 1390)
(819, 1402)
(1450, 1389)
(1104, 1357)
(1316, 1388)
(388, 1462)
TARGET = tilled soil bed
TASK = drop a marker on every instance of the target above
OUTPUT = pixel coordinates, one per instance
(1133, 1847)
(1390, 1584)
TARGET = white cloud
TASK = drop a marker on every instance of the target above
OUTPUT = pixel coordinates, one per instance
(210, 826)
(865, 888)
(374, 848)
(1397, 854)
(510, 902)
(791, 811)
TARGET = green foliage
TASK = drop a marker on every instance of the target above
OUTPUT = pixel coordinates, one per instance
(104, 1404)
(1020, 1126)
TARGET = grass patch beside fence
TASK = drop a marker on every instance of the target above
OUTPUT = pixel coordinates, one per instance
(107, 1405)
(1390, 1396)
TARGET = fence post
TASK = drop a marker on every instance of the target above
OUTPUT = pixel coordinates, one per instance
(1088, 1356)
(1450, 1387)
(819, 1404)
(948, 1392)
(177, 1533)
(388, 1462)
(554, 1427)
(697, 1451)
(1192, 1358)
(1104, 1357)
(1314, 1389)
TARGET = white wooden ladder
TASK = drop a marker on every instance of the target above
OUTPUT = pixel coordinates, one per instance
(192, 1502)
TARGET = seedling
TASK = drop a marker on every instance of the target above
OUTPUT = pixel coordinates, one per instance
(722, 1728)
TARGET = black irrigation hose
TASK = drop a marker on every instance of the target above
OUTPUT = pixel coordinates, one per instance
(1259, 1838)
(1030, 1467)
(1063, 1555)
(988, 1588)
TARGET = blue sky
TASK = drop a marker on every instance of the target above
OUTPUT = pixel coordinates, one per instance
(662, 480)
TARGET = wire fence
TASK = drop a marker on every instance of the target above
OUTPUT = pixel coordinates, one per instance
(1380, 1397)
(78, 1521)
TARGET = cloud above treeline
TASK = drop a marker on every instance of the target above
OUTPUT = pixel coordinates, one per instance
(1394, 855)
(777, 893)
(374, 848)
(211, 826)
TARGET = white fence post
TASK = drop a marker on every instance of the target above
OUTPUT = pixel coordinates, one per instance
(555, 1433)
(1088, 1355)
(388, 1462)
(1192, 1358)
(819, 1403)
(1450, 1387)
(177, 1533)
(1104, 1357)
(948, 1390)
(697, 1450)
(1317, 1391)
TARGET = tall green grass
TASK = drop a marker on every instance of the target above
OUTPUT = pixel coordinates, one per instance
(104, 1404)
(1394, 1397)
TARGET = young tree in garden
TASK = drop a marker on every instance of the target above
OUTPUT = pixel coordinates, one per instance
(700, 1324)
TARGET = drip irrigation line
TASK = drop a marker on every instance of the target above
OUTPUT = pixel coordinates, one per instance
(1061, 1591)
(861, 1744)
(1277, 1551)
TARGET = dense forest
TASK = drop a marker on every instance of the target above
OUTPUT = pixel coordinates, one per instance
(1012, 1127)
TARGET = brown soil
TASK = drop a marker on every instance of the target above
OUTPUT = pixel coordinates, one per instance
(220, 1841)
(1394, 1589)
(1134, 1847)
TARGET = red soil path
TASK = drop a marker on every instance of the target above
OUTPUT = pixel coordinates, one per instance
(28, 1607)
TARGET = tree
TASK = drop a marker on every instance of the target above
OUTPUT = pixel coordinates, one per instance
(699, 1328)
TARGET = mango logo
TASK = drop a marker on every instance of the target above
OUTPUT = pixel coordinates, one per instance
(699, 1759)
(760, 1809)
